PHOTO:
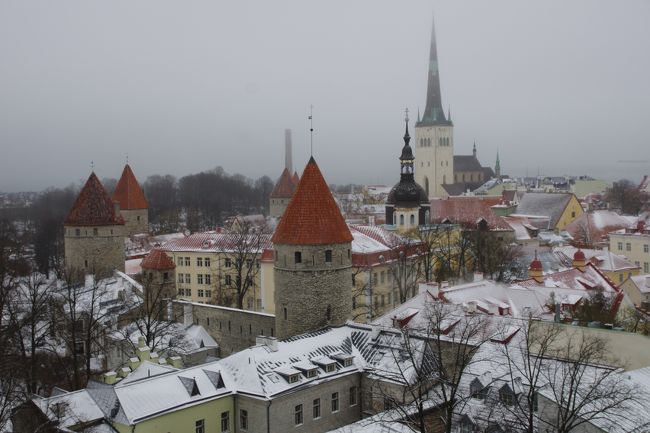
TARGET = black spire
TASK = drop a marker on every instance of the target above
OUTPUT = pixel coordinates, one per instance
(407, 153)
(434, 114)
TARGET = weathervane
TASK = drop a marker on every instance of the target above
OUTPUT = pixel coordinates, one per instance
(406, 111)
(311, 129)
(92, 165)
(127, 158)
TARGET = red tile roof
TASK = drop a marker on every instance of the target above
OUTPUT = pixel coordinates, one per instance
(468, 211)
(158, 260)
(128, 192)
(295, 178)
(93, 206)
(285, 187)
(312, 216)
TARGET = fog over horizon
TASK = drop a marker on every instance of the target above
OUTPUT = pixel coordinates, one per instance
(182, 87)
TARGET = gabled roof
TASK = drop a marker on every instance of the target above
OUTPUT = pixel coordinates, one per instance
(285, 187)
(548, 204)
(128, 192)
(312, 216)
(466, 163)
(467, 211)
(93, 206)
(158, 260)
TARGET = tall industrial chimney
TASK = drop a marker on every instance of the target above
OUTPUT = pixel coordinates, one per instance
(288, 159)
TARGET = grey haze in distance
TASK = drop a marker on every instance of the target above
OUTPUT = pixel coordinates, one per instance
(187, 86)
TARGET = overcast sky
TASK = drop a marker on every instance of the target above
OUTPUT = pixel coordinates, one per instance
(184, 86)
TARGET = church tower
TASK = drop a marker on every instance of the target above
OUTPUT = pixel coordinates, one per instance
(434, 135)
(312, 263)
(94, 232)
(407, 205)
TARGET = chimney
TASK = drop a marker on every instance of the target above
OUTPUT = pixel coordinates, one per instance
(110, 377)
(288, 152)
(188, 315)
(270, 342)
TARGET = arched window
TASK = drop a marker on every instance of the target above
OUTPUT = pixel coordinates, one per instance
(394, 219)
(412, 219)
(401, 220)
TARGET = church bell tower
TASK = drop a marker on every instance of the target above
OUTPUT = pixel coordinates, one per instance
(434, 135)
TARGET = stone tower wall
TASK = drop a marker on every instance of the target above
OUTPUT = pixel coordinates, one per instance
(136, 221)
(305, 290)
(154, 279)
(278, 206)
(434, 162)
(94, 249)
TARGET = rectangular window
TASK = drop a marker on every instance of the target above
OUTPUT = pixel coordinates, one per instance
(188, 292)
(297, 417)
(208, 293)
(297, 257)
(188, 278)
(243, 419)
(382, 276)
(375, 280)
(328, 256)
(353, 396)
(199, 426)
(646, 267)
(335, 402)
(227, 263)
(225, 421)
(181, 279)
(628, 247)
(228, 280)
(316, 408)
(646, 248)
(206, 262)
(199, 279)
(199, 261)
(207, 278)
(200, 293)
(179, 261)
(187, 261)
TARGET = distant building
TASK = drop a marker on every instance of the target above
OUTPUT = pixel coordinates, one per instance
(634, 242)
(561, 208)
(282, 193)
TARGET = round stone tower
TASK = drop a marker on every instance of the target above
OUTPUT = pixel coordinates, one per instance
(158, 276)
(312, 263)
(94, 232)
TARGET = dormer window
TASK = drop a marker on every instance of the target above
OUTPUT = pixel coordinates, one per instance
(311, 373)
(477, 390)
(294, 378)
(330, 368)
(506, 395)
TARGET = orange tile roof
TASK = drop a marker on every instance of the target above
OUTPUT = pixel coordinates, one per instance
(285, 187)
(312, 216)
(158, 260)
(128, 192)
(93, 206)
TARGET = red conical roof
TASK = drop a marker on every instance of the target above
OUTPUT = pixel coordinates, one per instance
(157, 259)
(312, 216)
(128, 192)
(285, 187)
(93, 206)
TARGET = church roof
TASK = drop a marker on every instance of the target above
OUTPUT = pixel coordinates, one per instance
(285, 186)
(312, 216)
(93, 206)
(157, 259)
(466, 163)
(128, 192)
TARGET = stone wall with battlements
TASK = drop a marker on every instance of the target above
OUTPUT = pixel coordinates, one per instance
(232, 329)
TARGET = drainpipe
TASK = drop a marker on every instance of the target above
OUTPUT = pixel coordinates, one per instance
(268, 417)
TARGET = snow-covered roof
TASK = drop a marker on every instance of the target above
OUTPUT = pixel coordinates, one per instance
(70, 409)
(605, 260)
(642, 282)
(217, 242)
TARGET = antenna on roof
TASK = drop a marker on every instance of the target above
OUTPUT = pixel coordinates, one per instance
(311, 129)
(92, 165)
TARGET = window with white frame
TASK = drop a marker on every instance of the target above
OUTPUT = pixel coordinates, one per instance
(297, 415)
(243, 419)
(207, 278)
(199, 279)
(199, 261)
(206, 262)
(335, 402)
(225, 421)
(316, 408)
(199, 426)
(187, 261)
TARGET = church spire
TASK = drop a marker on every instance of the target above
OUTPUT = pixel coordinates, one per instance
(497, 166)
(434, 114)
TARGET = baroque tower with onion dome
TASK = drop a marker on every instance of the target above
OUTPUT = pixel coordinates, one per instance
(312, 262)
(133, 204)
(94, 232)
(434, 135)
(407, 205)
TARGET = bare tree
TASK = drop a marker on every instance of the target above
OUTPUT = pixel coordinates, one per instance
(242, 249)
(404, 261)
(429, 357)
